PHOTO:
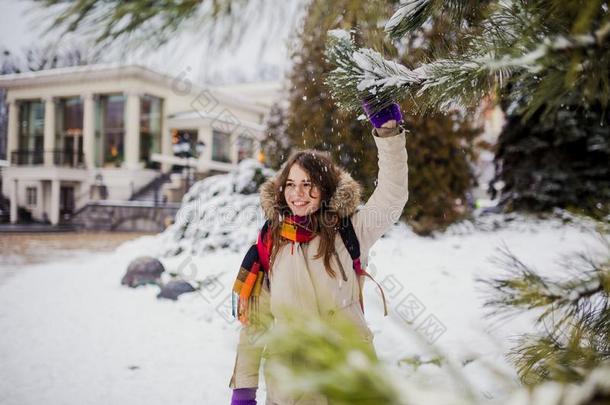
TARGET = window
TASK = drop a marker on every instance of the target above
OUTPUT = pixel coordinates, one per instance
(150, 128)
(31, 132)
(221, 147)
(30, 196)
(110, 130)
(69, 131)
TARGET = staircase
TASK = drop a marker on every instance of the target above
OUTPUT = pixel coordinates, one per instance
(151, 192)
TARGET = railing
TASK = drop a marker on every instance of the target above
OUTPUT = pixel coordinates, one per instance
(37, 157)
(66, 158)
(27, 157)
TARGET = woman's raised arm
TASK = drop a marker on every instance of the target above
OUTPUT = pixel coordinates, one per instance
(385, 205)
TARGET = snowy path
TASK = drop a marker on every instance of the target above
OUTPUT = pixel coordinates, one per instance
(72, 335)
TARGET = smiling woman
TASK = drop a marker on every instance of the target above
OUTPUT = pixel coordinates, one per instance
(304, 261)
(302, 196)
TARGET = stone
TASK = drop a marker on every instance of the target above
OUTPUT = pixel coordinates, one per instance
(143, 270)
(175, 288)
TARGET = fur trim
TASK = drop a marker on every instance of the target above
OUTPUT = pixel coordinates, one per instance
(344, 201)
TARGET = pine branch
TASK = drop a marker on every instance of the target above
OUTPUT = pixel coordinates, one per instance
(154, 23)
(412, 14)
(582, 296)
(375, 77)
(574, 318)
(540, 358)
(365, 74)
(115, 19)
(520, 43)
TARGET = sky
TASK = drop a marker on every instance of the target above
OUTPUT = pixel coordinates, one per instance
(23, 24)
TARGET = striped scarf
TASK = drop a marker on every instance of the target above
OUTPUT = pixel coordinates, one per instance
(249, 281)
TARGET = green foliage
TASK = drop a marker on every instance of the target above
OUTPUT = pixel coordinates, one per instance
(412, 14)
(277, 144)
(553, 46)
(309, 357)
(136, 23)
(441, 146)
(573, 316)
(557, 161)
(114, 19)
(547, 61)
(416, 361)
(312, 357)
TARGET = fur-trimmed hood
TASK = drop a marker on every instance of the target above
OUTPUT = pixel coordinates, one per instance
(344, 201)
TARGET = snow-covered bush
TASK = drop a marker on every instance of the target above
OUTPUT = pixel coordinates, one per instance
(219, 212)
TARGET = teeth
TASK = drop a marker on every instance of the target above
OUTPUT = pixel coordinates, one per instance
(299, 204)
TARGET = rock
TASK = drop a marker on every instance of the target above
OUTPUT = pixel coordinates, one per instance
(143, 270)
(174, 288)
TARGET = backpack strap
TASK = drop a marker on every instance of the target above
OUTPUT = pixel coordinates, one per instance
(263, 246)
(352, 244)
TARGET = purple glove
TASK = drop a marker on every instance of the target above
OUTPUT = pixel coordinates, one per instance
(244, 396)
(391, 112)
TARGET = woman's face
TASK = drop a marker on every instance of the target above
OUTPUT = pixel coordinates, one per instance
(302, 196)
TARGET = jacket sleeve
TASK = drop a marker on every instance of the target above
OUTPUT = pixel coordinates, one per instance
(385, 205)
(250, 349)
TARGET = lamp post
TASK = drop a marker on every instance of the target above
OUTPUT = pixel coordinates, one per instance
(189, 154)
(199, 149)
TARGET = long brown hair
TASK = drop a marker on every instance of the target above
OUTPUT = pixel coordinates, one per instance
(323, 174)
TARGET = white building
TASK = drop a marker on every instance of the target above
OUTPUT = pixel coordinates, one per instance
(69, 126)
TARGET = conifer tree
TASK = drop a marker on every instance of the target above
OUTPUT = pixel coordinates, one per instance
(547, 60)
(573, 323)
(276, 145)
(441, 146)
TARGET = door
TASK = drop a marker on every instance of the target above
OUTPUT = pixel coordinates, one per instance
(66, 200)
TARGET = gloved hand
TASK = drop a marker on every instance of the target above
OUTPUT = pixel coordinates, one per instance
(391, 112)
(244, 396)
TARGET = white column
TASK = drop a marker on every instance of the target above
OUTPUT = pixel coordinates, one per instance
(54, 214)
(89, 130)
(233, 139)
(12, 142)
(205, 135)
(166, 139)
(49, 130)
(14, 201)
(132, 131)
(39, 199)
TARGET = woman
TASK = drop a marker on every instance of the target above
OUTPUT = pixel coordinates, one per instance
(303, 261)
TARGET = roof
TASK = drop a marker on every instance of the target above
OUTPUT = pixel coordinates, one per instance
(76, 73)
(233, 96)
(199, 115)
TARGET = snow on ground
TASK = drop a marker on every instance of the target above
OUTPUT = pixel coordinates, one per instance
(71, 334)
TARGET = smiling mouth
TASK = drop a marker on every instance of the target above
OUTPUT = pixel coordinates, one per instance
(299, 203)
